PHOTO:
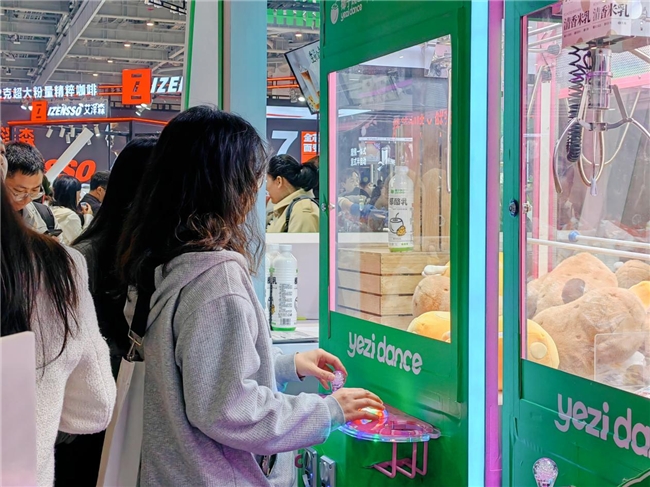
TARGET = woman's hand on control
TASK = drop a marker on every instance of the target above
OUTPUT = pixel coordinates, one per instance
(318, 363)
(353, 401)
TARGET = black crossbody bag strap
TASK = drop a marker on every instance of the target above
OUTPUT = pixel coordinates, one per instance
(290, 209)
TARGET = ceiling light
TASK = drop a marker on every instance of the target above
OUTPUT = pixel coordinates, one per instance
(298, 34)
(301, 98)
(110, 61)
(97, 134)
(30, 108)
(15, 39)
(73, 131)
(95, 74)
(10, 57)
(8, 71)
(23, 105)
(150, 23)
(127, 44)
(67, 138)
(90, 141)
(48, 134)
(62, 132)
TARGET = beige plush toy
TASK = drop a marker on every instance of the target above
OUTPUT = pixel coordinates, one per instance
(632, 272)
(432, 294)
(615, 313)
(573, 277)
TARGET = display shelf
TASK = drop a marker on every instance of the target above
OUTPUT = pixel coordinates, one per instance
(394, 426)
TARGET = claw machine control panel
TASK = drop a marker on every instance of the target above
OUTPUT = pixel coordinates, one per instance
(396, 243)
(577, 258)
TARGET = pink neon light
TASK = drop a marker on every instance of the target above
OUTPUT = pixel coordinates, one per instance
(552, 202)
(332, 159)
(522, 186)
(396, 465)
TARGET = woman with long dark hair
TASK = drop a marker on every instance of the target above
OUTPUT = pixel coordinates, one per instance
(290, 185)
(67, 193)
(77, 461)
(213, 413)
(44, 290)
(99, 243)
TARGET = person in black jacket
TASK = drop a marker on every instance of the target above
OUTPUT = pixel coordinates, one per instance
(77, 462)
(98, 184)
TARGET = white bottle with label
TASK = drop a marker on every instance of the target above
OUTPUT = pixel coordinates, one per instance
(285, 290)
(400, 211)
(272, 251)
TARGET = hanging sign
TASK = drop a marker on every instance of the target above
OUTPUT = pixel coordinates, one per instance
(77, 109)
(39, 111)
(584, 21)
(135, 86)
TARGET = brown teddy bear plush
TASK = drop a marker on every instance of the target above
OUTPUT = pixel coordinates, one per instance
(432, 294)
(574, 327)
(573, 277)
(632, 272)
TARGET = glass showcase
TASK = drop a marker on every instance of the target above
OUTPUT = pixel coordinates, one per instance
(586, 153)
(390, 179)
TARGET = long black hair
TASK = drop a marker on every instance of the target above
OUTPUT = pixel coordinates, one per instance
(300, 176)
(201, 185)
(32, 263)
(106, 228)
(65, 192)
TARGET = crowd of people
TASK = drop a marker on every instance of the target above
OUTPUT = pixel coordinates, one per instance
(171, 227)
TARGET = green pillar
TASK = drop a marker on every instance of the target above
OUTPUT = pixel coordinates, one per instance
(225, 66)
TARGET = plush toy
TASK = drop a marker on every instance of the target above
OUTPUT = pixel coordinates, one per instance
(432, 294)
(615, 314)
(631, 273)
(571, 279)
(642, 291)
(433, 324)
(540, 347)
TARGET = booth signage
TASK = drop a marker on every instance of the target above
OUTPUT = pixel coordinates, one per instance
(79, 109)
(135, 84)
(309, 147)
(167, 85)
(49, 92)
(39, 111)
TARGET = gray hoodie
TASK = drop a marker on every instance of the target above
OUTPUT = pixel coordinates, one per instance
(212, 409)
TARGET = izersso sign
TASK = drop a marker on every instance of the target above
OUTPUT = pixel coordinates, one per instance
(93, 108)
(159, 85)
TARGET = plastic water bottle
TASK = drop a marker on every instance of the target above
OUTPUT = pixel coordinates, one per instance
(285, 290)
(272, 251)
(400, 211)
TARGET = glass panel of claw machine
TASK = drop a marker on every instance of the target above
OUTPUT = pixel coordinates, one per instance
(585, 168)
(390, 244)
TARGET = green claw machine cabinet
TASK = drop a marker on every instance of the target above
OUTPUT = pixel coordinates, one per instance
(403, 110)
(577, 243)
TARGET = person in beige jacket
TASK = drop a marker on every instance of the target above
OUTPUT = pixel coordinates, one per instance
(290, 184)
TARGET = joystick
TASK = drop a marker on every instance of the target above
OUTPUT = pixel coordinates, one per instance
(338, 382)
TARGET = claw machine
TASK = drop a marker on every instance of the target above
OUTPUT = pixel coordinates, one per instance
(577, 243)
(403, 128)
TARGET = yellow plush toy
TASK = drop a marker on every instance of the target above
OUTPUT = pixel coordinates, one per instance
(642, 291)
(433, 324)
(447, 272)
(541, 347)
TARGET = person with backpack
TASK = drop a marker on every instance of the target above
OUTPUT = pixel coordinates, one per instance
(290, 184)
(24, 182)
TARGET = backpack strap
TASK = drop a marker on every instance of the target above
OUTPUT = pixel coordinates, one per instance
(290, 209)
(46, 214)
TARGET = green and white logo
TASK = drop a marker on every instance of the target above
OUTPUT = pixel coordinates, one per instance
(334, 13)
